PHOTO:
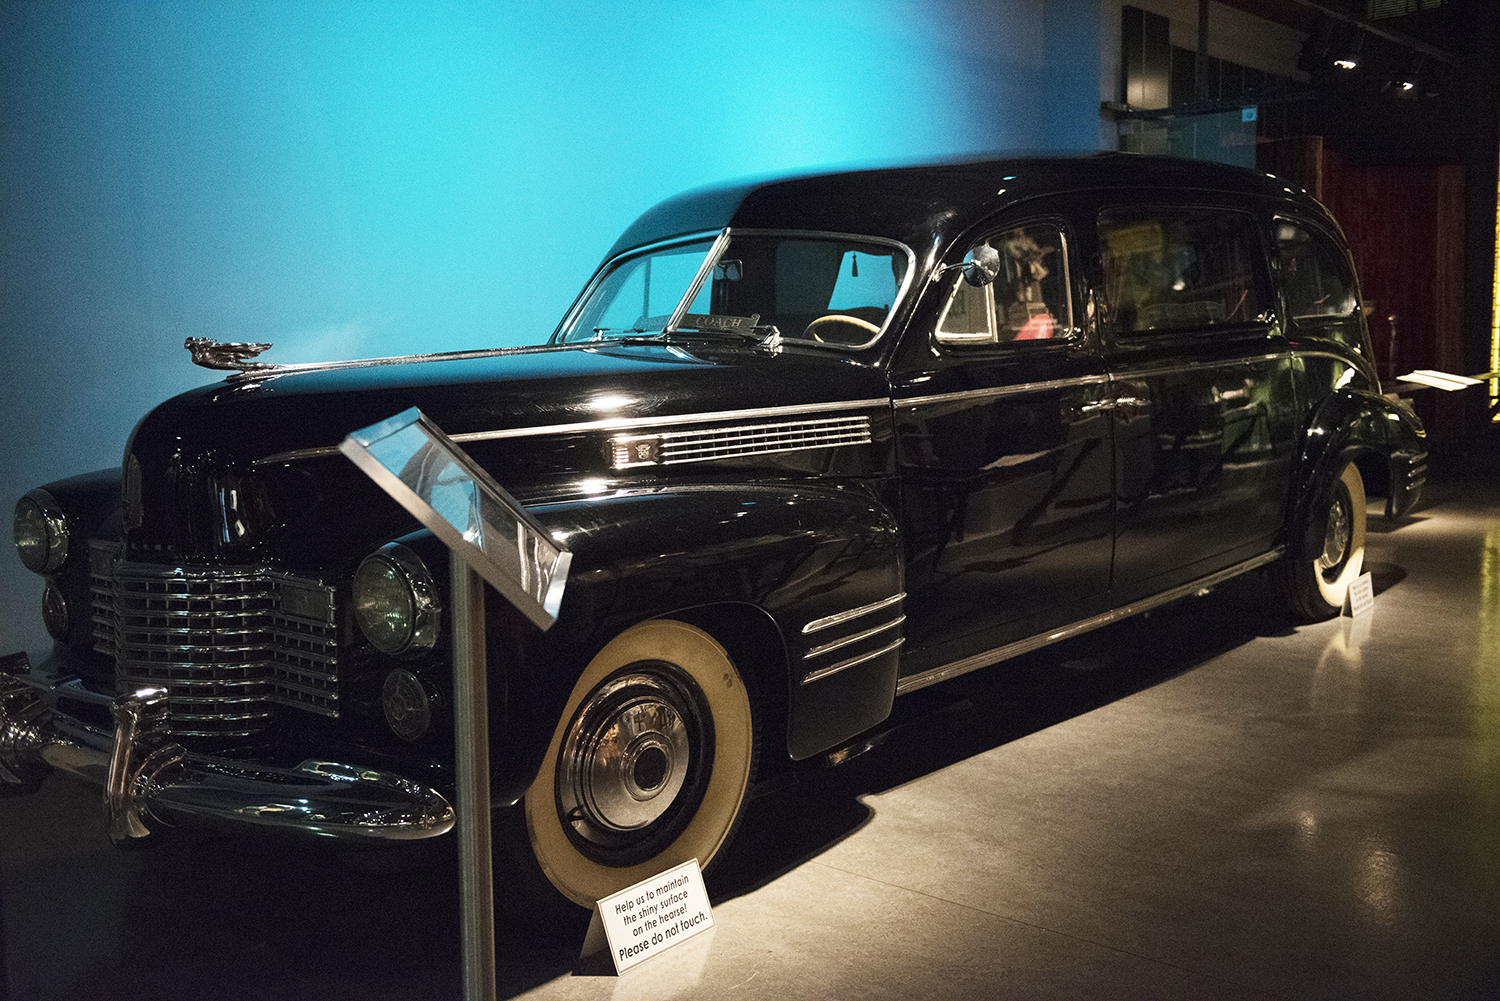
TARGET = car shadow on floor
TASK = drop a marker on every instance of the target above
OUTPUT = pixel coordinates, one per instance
(815, 806)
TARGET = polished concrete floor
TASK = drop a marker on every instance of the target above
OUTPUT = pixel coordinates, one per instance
(1204, 804)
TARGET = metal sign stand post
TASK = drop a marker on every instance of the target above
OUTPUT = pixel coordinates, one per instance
(471, 725)
(491, 540)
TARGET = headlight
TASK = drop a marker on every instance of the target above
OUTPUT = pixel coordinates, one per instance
(41, 532)
(395, 602)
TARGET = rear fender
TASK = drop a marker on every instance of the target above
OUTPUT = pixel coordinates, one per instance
(1383, 437)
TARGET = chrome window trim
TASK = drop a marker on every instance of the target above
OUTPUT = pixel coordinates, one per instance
(609, 424)
(1347, 271)
(945, 339)
(1073, 331)
(608, 267)
(1264, 281)
(721, 238)
(945, 672)
(710, 261)
(907, 281)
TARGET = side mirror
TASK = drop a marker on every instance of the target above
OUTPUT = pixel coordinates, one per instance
(981, 265)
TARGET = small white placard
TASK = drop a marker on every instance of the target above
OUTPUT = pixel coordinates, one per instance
(1361, 595)
(652, 917)
(1440, 380)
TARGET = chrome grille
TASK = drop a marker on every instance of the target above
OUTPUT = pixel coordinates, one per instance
(226, 642)
(701, 445)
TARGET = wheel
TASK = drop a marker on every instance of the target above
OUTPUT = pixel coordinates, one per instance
(648, 767)
(835, 320)
(1315, 580)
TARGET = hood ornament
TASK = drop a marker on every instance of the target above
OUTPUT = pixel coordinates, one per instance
(233, 357)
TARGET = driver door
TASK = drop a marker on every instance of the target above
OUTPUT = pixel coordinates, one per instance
(1005, 457)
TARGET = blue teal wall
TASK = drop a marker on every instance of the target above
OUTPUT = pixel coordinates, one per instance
(364, 178)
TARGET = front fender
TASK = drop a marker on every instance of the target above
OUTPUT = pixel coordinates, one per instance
(91, 507)
(824, 564)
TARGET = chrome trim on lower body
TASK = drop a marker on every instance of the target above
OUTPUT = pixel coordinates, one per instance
(1031, 643)
(1406, 490)
(863, 632)
(844, 665)
(844, 641)
(838, 618)
(150, 781)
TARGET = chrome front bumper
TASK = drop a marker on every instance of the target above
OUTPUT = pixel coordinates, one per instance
(150, 781)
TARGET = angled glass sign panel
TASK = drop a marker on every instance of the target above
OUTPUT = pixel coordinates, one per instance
(444, 489)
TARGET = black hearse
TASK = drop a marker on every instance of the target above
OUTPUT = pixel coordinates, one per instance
(811, 443)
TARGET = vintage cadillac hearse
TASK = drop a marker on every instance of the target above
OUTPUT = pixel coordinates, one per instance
(811, 442)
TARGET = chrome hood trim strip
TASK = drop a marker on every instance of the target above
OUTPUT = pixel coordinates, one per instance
(607, 424)
(269, 371)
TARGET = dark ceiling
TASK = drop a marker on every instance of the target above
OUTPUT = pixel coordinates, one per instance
(1448, 52)
(1440, 29)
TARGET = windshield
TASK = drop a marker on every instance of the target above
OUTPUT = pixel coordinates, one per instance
(831, 290)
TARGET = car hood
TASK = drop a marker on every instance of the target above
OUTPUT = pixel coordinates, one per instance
(261, 415)
(197, 466)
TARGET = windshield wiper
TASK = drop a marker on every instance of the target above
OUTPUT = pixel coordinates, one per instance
(748, 328)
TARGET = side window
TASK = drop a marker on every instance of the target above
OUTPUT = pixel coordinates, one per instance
(1314, 274)
(1029, 299)
(1171, 269)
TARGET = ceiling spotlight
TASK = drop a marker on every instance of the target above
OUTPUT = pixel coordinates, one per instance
(1410, 84)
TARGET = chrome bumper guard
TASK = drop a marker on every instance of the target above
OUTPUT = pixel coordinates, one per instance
(151, 781)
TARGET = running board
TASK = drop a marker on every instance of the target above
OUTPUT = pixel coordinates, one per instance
(1016, 649)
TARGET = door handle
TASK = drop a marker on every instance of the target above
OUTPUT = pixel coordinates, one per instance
(1127, 403)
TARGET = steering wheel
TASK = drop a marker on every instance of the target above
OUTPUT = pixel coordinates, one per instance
(854, 321)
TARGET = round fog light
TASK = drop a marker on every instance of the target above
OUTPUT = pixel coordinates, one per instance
(55, 612)
(407, 705)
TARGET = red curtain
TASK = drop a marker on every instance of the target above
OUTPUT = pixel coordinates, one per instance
(1406, 231)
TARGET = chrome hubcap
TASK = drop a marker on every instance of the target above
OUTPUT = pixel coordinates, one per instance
(626, 757)
(1336, 536)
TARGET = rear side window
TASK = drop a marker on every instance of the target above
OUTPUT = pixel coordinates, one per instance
(1178, 269)
(1314, 274)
